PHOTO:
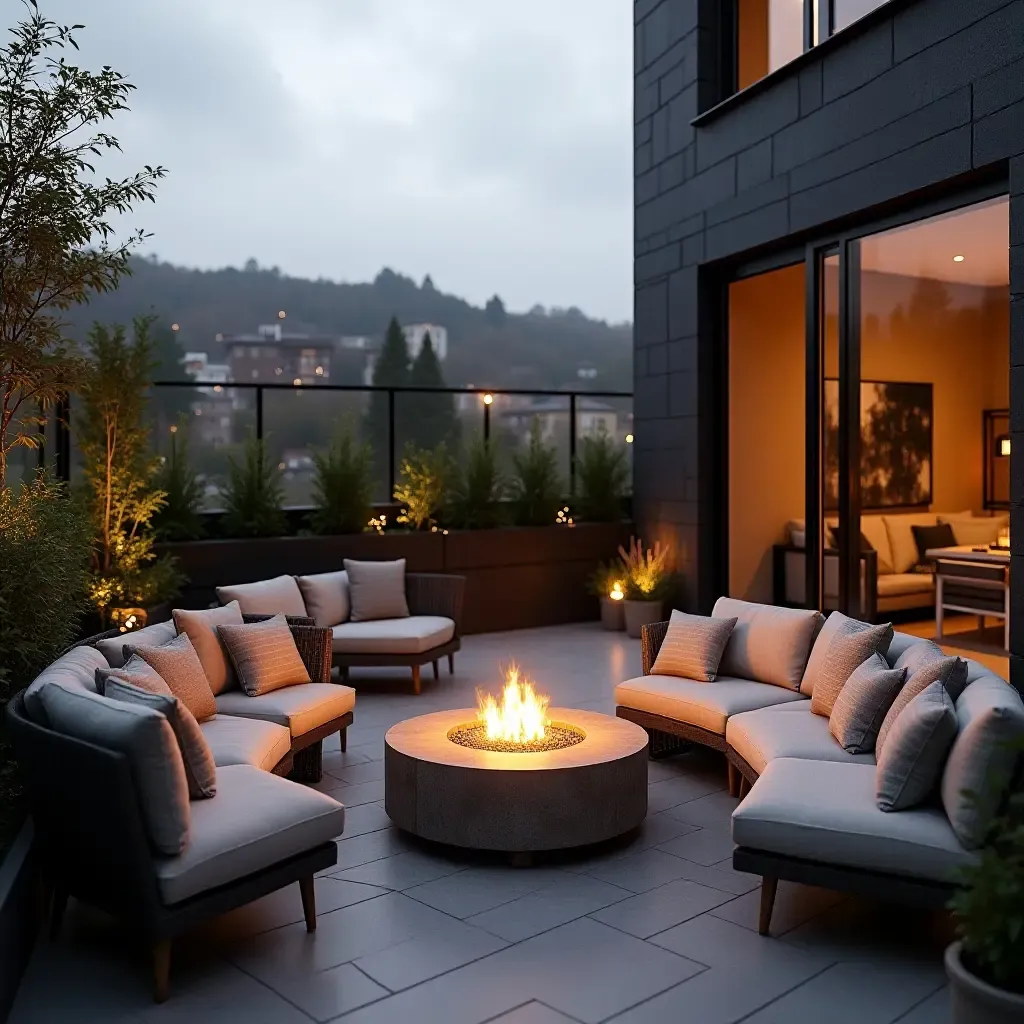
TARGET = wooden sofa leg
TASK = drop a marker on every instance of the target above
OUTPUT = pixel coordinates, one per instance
(768, 887)
(308, 891)
(161, 970)
(734, 779)
(744, 787)
(437, 670)
(416, 679)
(343, 739)
(451, 664)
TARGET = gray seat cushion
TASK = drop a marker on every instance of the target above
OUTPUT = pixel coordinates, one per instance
(301, 708)
(249, 741)
(73, 669)
(826, 811)
(706, 705)
(255, 820)
(415, 634)
(153, 636)
(786, 730)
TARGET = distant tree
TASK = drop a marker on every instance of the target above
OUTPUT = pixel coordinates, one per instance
(391, 370)
(432, 418)
(251, 266)
(494, 312)
(428, 284)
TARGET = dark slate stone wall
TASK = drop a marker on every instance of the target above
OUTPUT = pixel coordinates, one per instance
(923, 97)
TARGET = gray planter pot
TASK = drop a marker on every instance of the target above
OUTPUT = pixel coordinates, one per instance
(975, 1001)
(640, 613)
(613, 615)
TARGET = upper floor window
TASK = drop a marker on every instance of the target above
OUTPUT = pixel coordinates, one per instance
(770, 33)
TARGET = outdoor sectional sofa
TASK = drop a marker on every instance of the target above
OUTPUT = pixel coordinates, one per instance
(809, 813)
(258, 833)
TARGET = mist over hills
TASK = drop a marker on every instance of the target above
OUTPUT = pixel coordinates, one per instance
(487, 346)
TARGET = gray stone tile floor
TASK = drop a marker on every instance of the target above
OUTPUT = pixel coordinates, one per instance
(653, 928)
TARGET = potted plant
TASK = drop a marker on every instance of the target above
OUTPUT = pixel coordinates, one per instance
(607, 583)
(648, 580)
(986, 964)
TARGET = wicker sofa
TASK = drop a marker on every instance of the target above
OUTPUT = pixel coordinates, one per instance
(258, 833)
(809, 813)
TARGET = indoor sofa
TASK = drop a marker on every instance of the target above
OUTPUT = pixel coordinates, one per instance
(809, 812)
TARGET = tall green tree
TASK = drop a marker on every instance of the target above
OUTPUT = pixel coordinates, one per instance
(391, 370)
(57, 244)
(431, 418)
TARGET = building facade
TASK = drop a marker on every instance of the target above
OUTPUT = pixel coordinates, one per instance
(835, 198)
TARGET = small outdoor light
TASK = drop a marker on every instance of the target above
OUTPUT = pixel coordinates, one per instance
(128, 619)
(616, 593)
(1003, 445)
(488, 399)
(319, 371)
(629, 439)
(175, 327)
(297, 382)
(174, 428)
(281, 314)
(217, 388)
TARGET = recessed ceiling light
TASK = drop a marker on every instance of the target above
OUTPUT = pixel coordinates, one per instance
(959, 259)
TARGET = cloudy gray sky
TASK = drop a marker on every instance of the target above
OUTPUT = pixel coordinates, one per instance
(486, 143)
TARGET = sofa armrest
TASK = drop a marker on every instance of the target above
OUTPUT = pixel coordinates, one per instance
(429, 593)
(651, 637)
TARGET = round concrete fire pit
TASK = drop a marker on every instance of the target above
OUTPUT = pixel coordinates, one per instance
(520, 802)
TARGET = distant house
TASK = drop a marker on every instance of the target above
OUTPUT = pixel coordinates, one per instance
(271, 356)
(592, 417)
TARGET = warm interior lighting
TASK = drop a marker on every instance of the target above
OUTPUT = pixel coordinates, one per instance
(1003, 445)
(616, 593)
(521, 717)
(488, 399)
(297, 382)
(958, 258)
(629, 439)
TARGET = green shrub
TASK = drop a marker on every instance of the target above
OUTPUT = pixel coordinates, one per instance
(424, 479)
(181, 515)
(477, 489)
(343, 485)
(602, 475)
(537, 486)
(254, 494)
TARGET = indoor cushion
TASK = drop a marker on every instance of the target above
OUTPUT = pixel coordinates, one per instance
(928, 537)
(705, 705)
(862, 704)
(768, 644)
(256, 820)
(200, 773)
(911, 761)
(898, 584)
(145, 737)
(693, 646)
(377, 590)
(201, 627)
(301, 708)
(873, 527)
(970, 530)
(785, 730)
(264, 655)
(851, 644)
(279, 596)
(153, 636)
(825, 811)
(235, 740)
(326, 597)
(925, 663)
(134, 672)
(901, 538)
(836, 623)
(74, 669)
(412, 635)
(990, 721)
(180, 668)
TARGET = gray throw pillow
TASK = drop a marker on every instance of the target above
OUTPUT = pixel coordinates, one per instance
(837, 623)
(862, 703)
(196, 756)
(201, 627)
(925, 664)
(911, 762)
(852, 643)
(152, 636)
(326, 596)
(264, 655)
(980, 767)
(377, 590)
(136, 672)
(693, 647)
(146, 738)
(180, 668)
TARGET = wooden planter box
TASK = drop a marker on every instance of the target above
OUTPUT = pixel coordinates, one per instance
(516, 577)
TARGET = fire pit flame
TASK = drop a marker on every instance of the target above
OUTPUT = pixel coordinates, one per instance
(521, 717)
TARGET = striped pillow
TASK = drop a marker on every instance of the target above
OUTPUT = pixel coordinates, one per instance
(177, 663)
(264, 655)
(851, 645)
(693, 647)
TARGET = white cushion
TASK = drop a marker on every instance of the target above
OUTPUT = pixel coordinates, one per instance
(302, 708)
(706, 705)
(73, 669)
(326, 596)
(897, 584)
(826, 811)
(786, 730)
(768, 643)
(901, 538)
(412, 635)
(279, 596)
(152, 636)
(255, 820)
(971, 530)
(235, 740)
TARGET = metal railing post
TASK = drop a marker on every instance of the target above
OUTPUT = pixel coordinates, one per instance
(487, 422)
(391, 444)
(572, 444)
(259, 412)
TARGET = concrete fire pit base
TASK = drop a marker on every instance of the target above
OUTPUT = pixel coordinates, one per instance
(516, 803)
